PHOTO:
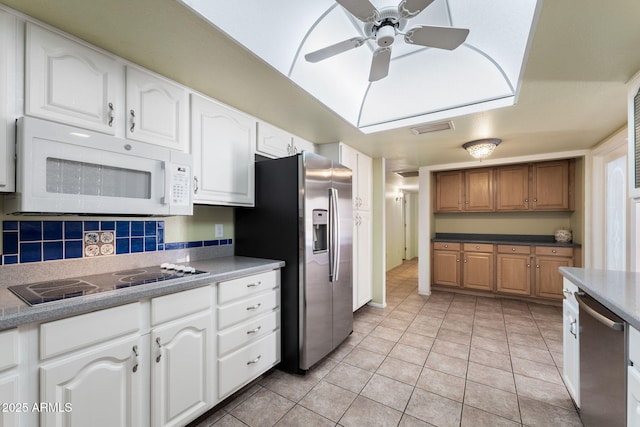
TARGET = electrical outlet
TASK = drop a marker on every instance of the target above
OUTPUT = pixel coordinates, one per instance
(219, 230)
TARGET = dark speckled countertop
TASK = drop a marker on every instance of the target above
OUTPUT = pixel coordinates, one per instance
(502, 239)
(14, 312)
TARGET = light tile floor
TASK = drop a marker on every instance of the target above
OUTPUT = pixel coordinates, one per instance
(444, 360)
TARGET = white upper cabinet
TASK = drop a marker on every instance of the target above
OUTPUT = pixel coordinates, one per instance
(223, 146)
(8, 98)
(72, 83)
(361, 165)
(156, 110)
(275, 143)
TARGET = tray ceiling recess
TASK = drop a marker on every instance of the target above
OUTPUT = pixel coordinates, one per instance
(422, 84)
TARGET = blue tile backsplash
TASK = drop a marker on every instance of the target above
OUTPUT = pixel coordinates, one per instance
(36, 241)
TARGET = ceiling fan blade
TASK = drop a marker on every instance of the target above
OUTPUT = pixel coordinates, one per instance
(380, 64)
(410, 8)
(440, 37)
(364, 10)
(335, 49)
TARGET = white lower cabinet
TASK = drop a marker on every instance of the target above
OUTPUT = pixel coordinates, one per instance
(633, 379)
(571, 342)
(181, 382)
(9, 378)
(362, 255)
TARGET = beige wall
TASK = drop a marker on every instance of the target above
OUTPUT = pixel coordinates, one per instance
(534, 223)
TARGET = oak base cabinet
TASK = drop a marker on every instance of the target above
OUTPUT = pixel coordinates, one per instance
(446, 264)
(549, 283)
(478, 266)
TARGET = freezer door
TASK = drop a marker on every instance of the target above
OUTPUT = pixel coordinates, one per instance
(316, 294)
(342, 281)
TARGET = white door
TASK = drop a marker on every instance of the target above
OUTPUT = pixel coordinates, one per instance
(223, 154)
(181, 379)
(616, 211)
(156, 110)
(103, 387)
(71, 83)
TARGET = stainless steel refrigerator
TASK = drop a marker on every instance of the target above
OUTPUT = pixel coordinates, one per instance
(302, 215)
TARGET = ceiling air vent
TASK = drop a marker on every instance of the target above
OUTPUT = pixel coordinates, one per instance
(432, 127)
(407, 173)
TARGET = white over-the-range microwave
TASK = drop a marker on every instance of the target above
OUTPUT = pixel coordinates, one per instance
(63, 169)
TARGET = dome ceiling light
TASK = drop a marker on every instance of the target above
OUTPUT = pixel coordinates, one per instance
(481, 148)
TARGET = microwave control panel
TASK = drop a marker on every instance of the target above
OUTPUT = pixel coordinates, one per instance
(180, 188)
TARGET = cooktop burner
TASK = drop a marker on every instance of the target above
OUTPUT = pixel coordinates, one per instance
(55, 290)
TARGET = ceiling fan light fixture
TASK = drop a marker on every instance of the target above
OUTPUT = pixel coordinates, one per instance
(481, 148)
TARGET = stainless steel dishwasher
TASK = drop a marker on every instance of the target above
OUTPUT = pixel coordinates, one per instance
(602, 365)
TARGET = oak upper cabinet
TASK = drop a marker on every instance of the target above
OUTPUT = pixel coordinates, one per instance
(275, 143)
(514, 270)
(512, 188)
(548, 279)
(478, 190)
(446, 263)
(69, 82)
(478, 266)
(9, 377)
(156, 110)
(223, 144)
(449, 191)
(9, 94)
(551, 186)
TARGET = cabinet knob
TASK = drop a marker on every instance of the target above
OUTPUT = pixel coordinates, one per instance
(526, 200)
(465, 261)
(446, 246)
(537, 265)
(457, 260)
(513, 249)
(477, 247)
(554, 251)
(535, 200)
(528, 265)
(466, 203)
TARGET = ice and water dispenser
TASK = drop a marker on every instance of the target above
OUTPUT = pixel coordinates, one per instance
(320, 221)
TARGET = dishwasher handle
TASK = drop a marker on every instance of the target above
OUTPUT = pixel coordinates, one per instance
(616, 326)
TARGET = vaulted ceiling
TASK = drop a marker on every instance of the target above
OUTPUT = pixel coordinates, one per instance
(572, 93)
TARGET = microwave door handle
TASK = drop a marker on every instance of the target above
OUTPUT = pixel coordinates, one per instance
(166, 166)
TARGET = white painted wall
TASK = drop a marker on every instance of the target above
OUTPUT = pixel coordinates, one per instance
(394, 227)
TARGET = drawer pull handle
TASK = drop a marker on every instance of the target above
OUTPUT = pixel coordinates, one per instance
(253, 285)
(111, 115)
(135, 358)
(254, 331)
(554, 251)
(477, 247)
(254, 307)
(159, 356)
(256, 360)
(513, 249)
(133, 120)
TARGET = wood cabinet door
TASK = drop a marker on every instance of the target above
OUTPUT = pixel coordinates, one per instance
(446, 268)
(548, 278)
(71, 83)
(103, 387)
(479, 194)
(512, 188)
(550, 186)
(223, 147)
(514, 274)
(181, 373)
(449, 191)
(478, 271)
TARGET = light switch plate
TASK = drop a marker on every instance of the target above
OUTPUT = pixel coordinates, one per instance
(219, 230)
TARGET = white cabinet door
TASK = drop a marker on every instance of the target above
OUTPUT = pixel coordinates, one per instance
(274, 142)
(362, 257)
(182, 361)
(300, 145)
(8, 99)
(364, 182)
(633, 396)
(100, 387)
(71, 83)
(571, 350)
(9, 395)
(156, 110)
(223, 154)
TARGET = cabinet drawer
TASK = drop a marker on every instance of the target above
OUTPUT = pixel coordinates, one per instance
(10, 354)
(247, 308)
(446, 246)
(61, 336)
(554, 251)
(249, 285)
(478, 247)
(514, 249)
(180, 304)
(244, 365)
(247, 332)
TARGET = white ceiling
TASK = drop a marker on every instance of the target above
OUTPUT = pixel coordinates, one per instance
(572, 94)
(424, 85)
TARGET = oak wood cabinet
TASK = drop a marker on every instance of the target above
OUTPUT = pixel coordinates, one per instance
(543, 186)
(446, 264)
(548, 279)
(514, 270)
(478, 266)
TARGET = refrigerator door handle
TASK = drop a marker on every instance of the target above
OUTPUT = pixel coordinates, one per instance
(334, 236)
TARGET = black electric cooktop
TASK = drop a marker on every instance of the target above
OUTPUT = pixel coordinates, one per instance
(56, 290)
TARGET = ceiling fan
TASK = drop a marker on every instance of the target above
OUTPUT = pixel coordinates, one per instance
(383, 25)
